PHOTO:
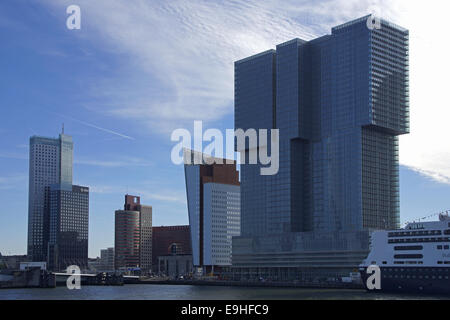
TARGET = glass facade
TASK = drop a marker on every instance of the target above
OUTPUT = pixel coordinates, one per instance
(69, 227)
(340, 102)
(66, 171)
(255, 108)
(51, 162)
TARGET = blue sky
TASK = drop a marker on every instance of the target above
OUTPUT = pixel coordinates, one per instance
(139, 69)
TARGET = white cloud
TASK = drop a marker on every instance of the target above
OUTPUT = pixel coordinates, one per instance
(427, 148)
(436, 176)
(188, 48)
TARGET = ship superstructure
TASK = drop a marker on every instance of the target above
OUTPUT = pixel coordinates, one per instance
(413, 259)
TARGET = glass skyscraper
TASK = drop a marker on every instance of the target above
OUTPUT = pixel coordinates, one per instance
(51, 162)
(340, 102)
(58, 214)
(69, 227)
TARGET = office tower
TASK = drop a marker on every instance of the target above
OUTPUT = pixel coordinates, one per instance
(69, 227)
(133, 235)
(340, 103)
(127, 239)
(50, 163)
(168, 240)
(107, 259)
(213, 195)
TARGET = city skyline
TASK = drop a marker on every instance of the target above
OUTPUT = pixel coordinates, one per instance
(101, 134)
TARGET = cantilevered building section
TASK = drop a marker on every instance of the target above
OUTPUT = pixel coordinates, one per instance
(340, 103)
(213, 196)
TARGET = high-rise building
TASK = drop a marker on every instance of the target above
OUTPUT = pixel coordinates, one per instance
(213, 195)
(127, 239)
(50, 163)
(107, 259)
(133, 235)
(340, 102)
(69, 226)
(58, 212)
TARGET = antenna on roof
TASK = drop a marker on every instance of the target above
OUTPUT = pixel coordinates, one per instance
(63, 128)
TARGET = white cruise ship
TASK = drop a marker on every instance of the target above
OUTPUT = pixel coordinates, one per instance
(413, 259)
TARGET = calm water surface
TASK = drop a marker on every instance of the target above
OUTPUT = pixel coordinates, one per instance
(178, 292)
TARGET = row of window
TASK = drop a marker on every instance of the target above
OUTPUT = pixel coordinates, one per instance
(414, 276)
(417, 233)
(416, 240)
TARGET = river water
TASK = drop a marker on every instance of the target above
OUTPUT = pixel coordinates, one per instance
(182, 292)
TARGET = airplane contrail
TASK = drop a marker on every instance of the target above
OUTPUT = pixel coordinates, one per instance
(95, 127)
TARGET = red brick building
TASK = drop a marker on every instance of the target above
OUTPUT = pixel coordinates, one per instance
(172, 240)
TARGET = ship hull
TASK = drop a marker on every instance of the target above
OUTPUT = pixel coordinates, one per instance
(427, 280)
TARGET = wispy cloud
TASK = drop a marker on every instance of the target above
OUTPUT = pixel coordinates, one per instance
(178, 59)
(14, 156)
(13, 182)
(436, 176)
(178, 55)
(115, 163)
(187, 49)
(153, 194)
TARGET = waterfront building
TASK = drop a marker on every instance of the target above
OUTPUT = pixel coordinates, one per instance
(50, 163)
(58, 211)
(107, 259)
(175, 265)
(69, 226)
(169, 241)
(340, 102)
(213, 196)
(94, 265)
(133, 236)
(12, 262)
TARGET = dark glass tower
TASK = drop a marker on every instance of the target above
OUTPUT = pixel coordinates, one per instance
(69, 227)
(340, 103)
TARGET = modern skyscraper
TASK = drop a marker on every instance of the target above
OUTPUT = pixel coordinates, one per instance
(50, 163)
(69, 227)
(133, 235)
(213, 195)
(340, 103)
